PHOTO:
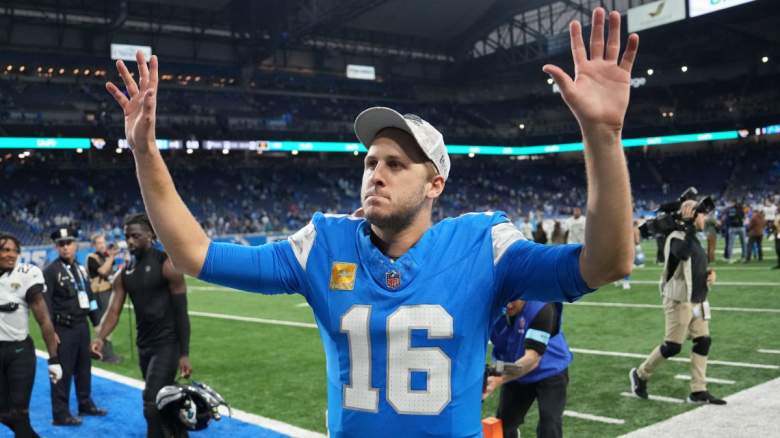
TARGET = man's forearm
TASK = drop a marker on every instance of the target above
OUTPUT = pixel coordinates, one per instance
(107, 324)
(521, 367)
(177, 229)
(609, 251)
(105, 269)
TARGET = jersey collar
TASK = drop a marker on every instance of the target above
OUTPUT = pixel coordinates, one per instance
(392, 276)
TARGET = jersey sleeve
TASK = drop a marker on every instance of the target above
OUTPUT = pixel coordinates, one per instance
(269, 269)
(32, 277)
(531, 271)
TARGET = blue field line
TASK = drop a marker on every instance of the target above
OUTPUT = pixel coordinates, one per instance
(125, 416)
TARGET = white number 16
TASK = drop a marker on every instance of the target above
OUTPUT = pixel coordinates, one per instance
(402, 359)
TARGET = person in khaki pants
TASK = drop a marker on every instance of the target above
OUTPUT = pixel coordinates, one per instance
(684, 285)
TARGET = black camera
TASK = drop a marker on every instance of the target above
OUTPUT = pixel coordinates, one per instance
(668, 218)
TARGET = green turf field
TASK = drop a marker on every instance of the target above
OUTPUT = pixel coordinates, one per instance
(278, 371)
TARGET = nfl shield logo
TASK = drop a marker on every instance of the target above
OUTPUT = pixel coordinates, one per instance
(393, 279)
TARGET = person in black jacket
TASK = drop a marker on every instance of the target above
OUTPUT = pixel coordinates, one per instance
(158, 293)
(70, 302)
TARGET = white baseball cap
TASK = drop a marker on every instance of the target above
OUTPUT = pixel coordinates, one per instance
(369, 122)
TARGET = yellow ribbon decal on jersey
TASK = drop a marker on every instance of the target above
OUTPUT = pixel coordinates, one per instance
(342, 276)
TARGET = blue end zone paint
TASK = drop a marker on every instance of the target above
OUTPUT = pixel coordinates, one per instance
(125, 416)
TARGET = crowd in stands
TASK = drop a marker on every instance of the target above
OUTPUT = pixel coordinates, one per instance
(276, 106)
(232, 194)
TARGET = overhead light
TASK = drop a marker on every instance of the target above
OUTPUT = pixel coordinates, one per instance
(118, 150)
(471, 155)
(650, 71)
(355, 153)
(765, 59)
(189, 151)
(684, 68)
(550, 81)
(663, 114)
(521, 126)
(86, 72)
(9, 67)
(295, 152)
(22, 68)
(79, 150)
(225, 151)
(76, 71)
(50, 70)
(671, 114)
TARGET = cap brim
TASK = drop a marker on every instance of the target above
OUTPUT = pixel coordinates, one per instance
(371, 121)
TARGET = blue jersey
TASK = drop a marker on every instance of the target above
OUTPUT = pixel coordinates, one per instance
(405, 339)
(509, 343)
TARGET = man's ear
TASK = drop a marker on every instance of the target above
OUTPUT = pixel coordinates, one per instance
(437, 187)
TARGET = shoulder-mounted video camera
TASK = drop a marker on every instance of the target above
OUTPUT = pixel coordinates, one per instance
(668, 217)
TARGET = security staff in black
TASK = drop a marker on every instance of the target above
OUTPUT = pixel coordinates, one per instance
(21, 291)
(158, 293)
(70, 302)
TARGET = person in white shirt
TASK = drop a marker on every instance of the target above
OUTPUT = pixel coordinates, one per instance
(21, 290)
(575, 227)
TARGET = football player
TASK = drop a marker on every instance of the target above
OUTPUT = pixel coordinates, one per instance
(404, 306)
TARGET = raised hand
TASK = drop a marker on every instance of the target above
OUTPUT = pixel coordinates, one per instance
(141, 108)
(598, 94)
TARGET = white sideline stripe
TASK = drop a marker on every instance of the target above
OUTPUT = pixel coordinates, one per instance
(719, 283)
(709, 379)
(750, 413)
(717, 268)
(257, 420)
(676, 359)
(659, 306)
(257, 320)
(592, 417)
(765, 351)
(655, 397)
(302, 305)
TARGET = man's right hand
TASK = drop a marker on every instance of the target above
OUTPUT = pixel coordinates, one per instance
(141, 108)
(96, 348)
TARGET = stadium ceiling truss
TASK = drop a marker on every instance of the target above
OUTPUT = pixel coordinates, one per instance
(320, 24)
(533, 29)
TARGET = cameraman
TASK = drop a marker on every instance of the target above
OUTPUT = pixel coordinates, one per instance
(100, 269)
(684, 286)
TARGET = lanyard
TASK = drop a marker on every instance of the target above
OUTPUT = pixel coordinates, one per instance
(73, 281)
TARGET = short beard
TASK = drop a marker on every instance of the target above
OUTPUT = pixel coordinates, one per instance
(397, 221)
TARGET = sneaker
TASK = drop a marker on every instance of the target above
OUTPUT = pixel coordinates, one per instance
(701, 397)
(626, 285)
(638, 385)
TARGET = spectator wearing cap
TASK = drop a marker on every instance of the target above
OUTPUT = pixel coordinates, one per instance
(70, 302)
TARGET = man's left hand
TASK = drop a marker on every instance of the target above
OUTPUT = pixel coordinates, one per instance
(493, 382)
(185, 368)
(598, 94)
